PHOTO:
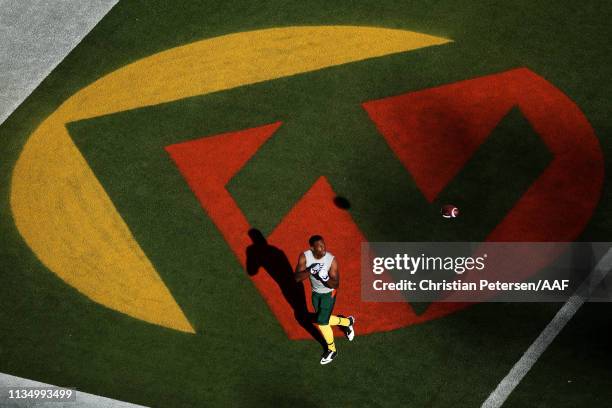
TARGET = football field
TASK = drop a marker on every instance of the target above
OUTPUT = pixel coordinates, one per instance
(158, 185)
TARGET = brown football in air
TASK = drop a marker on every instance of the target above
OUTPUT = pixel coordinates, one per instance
(449, 211)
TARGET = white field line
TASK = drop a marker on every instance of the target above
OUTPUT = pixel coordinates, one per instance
(83, 399)
(564, 315)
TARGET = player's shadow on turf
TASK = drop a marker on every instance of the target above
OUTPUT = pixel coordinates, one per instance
(274, 261)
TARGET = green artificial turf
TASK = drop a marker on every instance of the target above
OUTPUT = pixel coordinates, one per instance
(240, 355)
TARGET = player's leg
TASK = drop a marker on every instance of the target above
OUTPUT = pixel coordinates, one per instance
(346, 323)
(320, 317)
(339, 321)
(325, 305)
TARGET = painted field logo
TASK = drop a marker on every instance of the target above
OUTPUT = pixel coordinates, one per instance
(410, 124)
(67, 219)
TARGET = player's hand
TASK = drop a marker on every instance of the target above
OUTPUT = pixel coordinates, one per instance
(314, 268)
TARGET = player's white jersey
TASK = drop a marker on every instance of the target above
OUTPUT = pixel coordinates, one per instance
(321, 266)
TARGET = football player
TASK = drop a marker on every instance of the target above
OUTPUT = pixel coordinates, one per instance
(322, 269)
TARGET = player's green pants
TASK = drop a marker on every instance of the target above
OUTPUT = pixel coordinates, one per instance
(323, 304)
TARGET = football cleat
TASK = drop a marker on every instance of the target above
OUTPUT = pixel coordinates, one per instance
(328, 356)
(349, 331)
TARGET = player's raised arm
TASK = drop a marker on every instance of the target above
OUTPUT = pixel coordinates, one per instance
(301, 271)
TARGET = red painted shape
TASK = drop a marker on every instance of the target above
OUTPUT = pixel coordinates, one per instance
(556, 207)
(434, 133)
(209, 163)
